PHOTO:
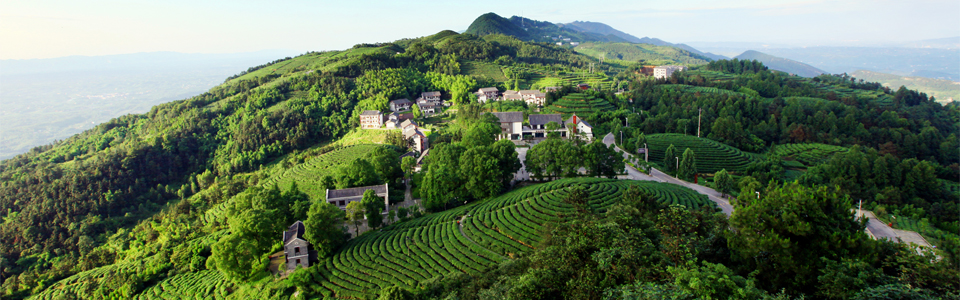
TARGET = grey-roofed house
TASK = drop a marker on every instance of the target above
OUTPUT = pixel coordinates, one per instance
(538, 125)
(511, 125)
(295, 248)
(430, 96)
(340, 198)
(400, 104)
(407, 124)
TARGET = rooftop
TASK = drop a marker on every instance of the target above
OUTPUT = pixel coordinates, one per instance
(355, 192)
(430, 94)
(489, 89)
(546, 118)
(370, 113)
(401, 101)
(294, 231)
(509, 117)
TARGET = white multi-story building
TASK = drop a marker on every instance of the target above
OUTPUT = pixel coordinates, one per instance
(662, 72)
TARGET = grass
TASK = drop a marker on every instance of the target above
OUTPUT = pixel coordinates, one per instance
(711, 155)
(408, 253)
(488, 70)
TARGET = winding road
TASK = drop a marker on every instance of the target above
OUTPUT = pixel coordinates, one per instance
(656, 175)
(875, 228)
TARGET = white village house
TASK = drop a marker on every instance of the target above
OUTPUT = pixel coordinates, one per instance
(533, 97)
(487, 94)
(400, 105)
(371, 119)
(663, 72)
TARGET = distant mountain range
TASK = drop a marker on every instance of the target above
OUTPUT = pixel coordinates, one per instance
(600, 28)
(579, 31)
(781, 64)
(934, 58)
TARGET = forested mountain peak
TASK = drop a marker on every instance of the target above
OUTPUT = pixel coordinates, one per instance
(492, 23)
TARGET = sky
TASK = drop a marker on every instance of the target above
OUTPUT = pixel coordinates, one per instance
(47, 29)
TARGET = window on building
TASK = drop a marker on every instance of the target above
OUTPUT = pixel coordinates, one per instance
(298, 261)
(296, 250)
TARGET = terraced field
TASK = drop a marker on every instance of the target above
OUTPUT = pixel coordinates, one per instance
(712, 156)
(807, 154)
(206, 284)
(199, 285)
(697, 89)
(578, 103)
(433, 246)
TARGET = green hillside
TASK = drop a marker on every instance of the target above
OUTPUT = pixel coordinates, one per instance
(712, 156)
(649, 54)
(578, 103)
(781, 64)
(943, 90)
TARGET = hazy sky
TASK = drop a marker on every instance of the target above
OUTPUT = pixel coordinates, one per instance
(44, 29)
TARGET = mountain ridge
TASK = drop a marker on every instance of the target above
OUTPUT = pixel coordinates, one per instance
(781, 64)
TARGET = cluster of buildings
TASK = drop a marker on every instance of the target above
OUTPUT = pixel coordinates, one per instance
(532, 97)
(661, 72)
(512, 126)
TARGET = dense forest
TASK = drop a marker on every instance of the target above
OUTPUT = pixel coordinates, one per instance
(133, 197)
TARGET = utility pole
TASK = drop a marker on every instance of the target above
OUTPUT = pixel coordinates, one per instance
(698, 122)
(860, 209)
(678, 166)
(646, 153)
(621, 137)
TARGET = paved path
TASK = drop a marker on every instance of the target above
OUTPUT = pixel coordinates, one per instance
(878, 230)
(656, 175)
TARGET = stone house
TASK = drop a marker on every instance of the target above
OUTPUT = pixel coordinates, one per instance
(295, 248)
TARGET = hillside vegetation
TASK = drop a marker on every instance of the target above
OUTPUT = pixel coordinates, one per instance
(644, 53)
(180, 201)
